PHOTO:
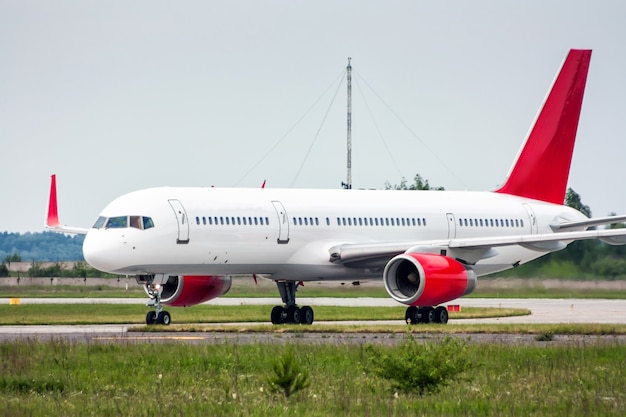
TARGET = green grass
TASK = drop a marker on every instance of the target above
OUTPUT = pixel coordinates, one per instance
(125, 313)
(244, 287)
(224, 379)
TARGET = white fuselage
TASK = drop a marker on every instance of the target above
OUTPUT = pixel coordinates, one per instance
(286, 234)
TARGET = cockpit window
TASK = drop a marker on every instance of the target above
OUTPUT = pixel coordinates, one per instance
(99, 222)
(120, 222)
(135, 221)
(147, 222)
(117, 222)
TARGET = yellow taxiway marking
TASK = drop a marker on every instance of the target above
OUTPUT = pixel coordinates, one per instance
(153, 337)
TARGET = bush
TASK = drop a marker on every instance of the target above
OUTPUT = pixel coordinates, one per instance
(420, 368)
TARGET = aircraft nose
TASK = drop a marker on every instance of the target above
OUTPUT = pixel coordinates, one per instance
(100, 251)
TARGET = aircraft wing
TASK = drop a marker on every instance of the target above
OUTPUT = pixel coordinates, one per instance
(597, 221)
(52, 221)
(470, 250)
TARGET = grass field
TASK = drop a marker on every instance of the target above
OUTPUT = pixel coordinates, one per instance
(62, 378)
(245, 287)
(58, 377)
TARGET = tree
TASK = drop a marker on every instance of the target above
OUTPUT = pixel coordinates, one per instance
(418, 184)
(15, 257)
(573, 200)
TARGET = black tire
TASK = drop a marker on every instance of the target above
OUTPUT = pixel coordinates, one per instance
(428, 314)
(441, 315)
(293, 315)
(277, 315)
(306, 315)
(164, 318)
(411, 315)
(151, 318)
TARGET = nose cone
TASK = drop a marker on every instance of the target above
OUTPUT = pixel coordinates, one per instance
(104, 251)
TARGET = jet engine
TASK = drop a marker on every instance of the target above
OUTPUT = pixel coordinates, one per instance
(188, 290)
(420, 279)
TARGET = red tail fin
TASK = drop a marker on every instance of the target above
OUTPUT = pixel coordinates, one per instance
(53, 215)
(542, 166)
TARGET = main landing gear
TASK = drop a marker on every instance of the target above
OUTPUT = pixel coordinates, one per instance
(416, 315)
(290, 313)
(154, 288)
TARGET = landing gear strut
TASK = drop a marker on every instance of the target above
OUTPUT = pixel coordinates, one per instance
(154, 288)
(415, 315)
(290, 313)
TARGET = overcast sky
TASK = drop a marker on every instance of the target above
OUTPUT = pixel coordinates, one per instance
(116, 96)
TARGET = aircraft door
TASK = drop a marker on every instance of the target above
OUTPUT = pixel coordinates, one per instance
(183, 221)
(531, 218)
(283, 222)
(451, 226)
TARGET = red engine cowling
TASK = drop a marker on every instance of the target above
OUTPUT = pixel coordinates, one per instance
(420, 279)
(190, 290)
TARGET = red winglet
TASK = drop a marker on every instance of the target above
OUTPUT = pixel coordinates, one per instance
(542, 166)
(53, 214)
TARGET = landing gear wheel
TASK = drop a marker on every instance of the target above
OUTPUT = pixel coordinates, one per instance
(441, 315)
(277, 315)
(428, 315)
(293, 314)
(411, 316)
(306, 315)
(164, 318)
(151, 318)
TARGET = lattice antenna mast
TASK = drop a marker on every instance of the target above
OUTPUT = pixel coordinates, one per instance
(348, 184)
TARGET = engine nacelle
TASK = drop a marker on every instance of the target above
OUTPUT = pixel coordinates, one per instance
(421, 279)
(188, 290)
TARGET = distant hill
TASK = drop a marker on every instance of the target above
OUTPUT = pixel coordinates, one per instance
(45, 246)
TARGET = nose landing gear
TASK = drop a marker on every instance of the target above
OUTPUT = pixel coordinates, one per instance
(154, 288)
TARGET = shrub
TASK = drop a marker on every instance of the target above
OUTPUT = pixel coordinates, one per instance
(420, 368)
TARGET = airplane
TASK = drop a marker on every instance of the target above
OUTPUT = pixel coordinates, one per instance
(183, 244)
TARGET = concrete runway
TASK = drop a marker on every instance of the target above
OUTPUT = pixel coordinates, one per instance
(542, 311)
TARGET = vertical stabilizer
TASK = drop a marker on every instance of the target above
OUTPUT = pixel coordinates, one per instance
(542, 166)
(53, 214)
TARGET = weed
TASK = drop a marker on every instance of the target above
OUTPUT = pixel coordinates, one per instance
(288, 376)
(544, 337)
